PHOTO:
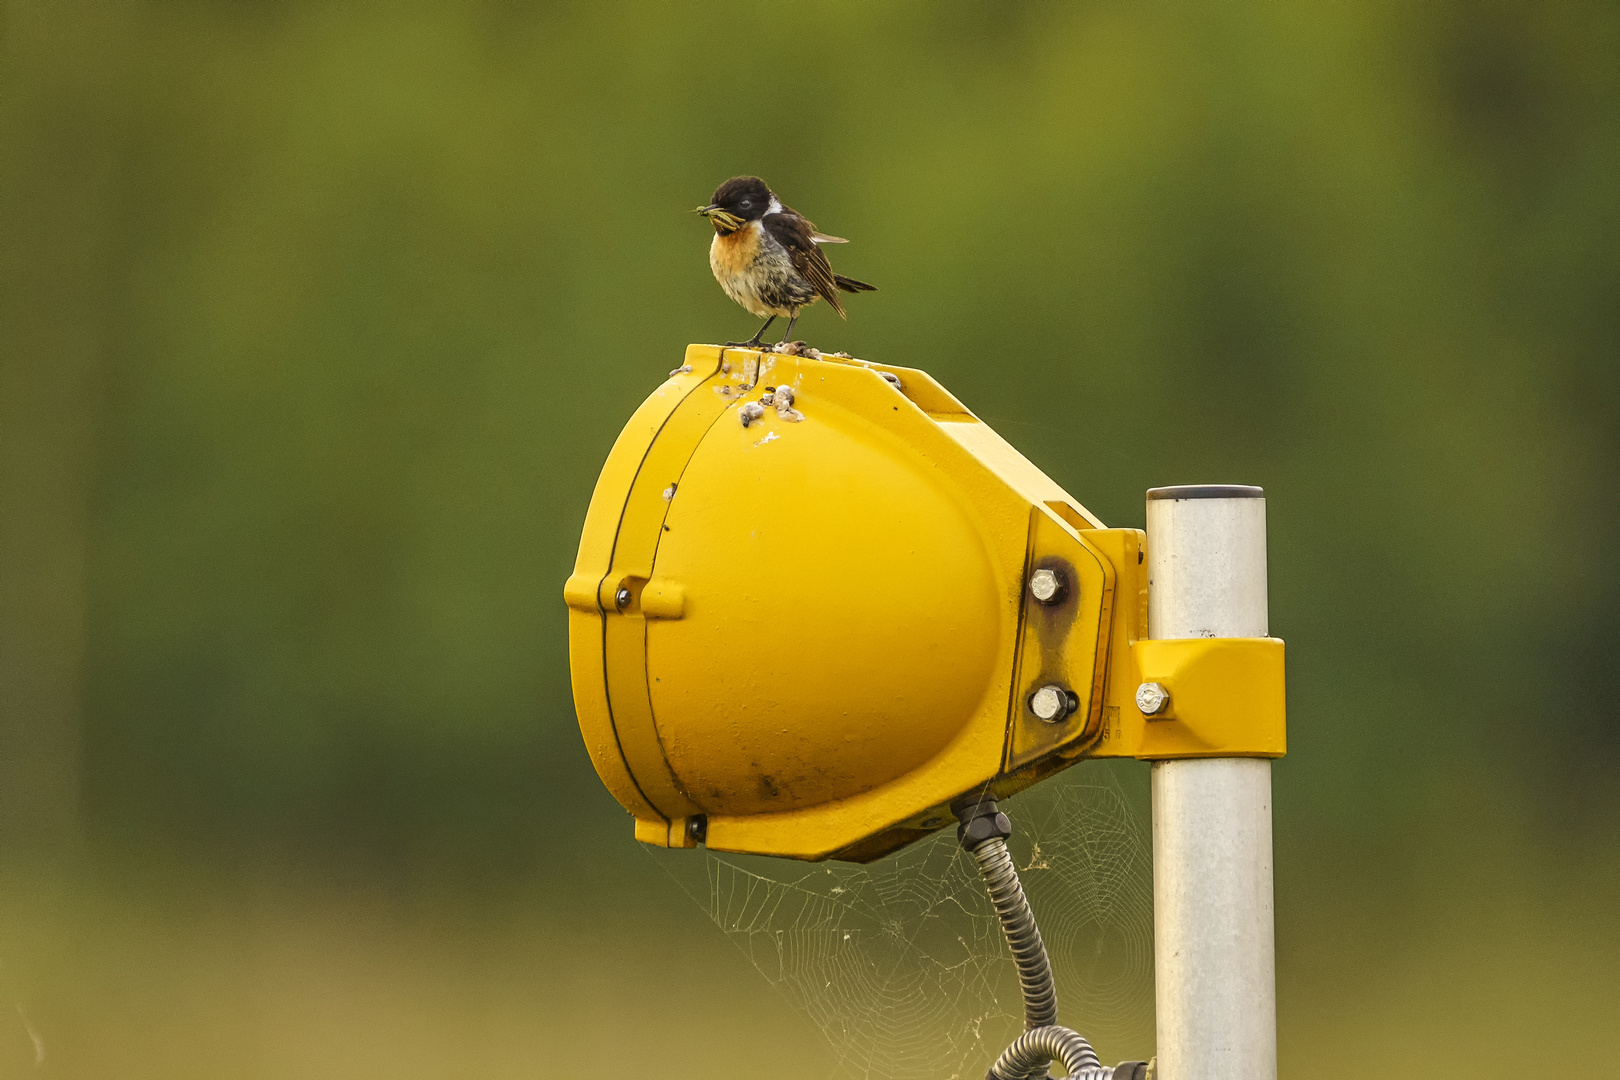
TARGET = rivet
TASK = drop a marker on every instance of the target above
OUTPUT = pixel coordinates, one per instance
(622, 597)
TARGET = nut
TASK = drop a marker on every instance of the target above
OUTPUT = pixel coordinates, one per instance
(1050, 703)
(1152, 698)
(1047, 585)
(970, 834)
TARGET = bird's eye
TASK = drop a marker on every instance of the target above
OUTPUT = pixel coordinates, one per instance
(746, 204)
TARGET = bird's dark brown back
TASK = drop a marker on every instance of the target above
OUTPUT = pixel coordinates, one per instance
(796, 234)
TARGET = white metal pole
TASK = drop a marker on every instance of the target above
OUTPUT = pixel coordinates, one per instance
(1212, 901)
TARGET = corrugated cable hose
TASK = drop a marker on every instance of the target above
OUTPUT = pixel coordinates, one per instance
(1043, 1040)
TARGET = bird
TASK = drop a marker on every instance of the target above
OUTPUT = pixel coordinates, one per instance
(767, 256)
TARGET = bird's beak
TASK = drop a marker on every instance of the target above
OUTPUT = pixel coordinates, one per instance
(707, 210)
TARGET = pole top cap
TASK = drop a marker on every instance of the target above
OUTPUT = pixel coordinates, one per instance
(1206, 491)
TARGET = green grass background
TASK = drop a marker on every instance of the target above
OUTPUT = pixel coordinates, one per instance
(317, 320)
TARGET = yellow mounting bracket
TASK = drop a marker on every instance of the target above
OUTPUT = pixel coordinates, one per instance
(1225, 699)
(818, 601)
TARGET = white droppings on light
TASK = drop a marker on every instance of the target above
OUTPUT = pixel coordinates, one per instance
(784, 405)
(684, 369)
(750, 412)
(770, 437)
(669, 493)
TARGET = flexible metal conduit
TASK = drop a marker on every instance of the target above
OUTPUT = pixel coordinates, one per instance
(983, 834)
(1031, 1052)
(1023, 936)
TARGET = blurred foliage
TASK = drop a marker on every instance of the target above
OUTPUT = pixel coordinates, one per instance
(318, 319)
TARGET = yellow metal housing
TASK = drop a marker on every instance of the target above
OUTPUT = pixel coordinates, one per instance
(807, 634)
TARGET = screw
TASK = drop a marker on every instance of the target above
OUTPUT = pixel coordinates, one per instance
(622, 597)
(1046, 585)
(1050, 703)
(1152, 698)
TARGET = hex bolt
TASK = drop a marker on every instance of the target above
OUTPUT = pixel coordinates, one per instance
(1047, 585)
(622, 597)
(1152, 698)
(1050, 703)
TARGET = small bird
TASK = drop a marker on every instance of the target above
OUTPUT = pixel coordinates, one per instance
(768, 258)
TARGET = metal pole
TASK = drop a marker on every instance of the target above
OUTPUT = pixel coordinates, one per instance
(1212, 908)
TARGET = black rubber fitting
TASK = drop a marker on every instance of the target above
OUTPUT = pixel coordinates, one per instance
(981, 820)
(698, 827)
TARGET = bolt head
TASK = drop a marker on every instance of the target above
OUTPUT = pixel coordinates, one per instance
(1050, 703)
(1046, 585)
(622, 597)
(1152, 698)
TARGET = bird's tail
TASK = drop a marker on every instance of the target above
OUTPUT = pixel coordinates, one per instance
(849, 284)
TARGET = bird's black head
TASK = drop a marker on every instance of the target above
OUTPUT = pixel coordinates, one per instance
(736, 202)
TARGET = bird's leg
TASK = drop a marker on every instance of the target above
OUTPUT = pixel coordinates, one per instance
(787, 337)
(752, 342)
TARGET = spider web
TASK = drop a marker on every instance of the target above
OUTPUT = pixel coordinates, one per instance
(901, 964)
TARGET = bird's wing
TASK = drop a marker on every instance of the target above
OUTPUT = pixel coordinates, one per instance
(823, 238)
(798, 236)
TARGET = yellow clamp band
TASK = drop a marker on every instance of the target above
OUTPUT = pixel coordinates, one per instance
(1226, 698)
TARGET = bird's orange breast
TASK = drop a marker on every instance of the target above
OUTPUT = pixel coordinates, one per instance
(734, 253)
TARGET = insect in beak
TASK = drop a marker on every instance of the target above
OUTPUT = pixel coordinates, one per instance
(727, 221)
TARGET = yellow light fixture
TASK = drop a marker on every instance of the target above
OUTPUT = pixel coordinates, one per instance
(817, 601)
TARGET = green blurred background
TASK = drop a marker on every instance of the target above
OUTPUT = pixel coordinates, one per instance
(318, 319)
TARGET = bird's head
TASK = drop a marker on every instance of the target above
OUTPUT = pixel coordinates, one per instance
(737, 202)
